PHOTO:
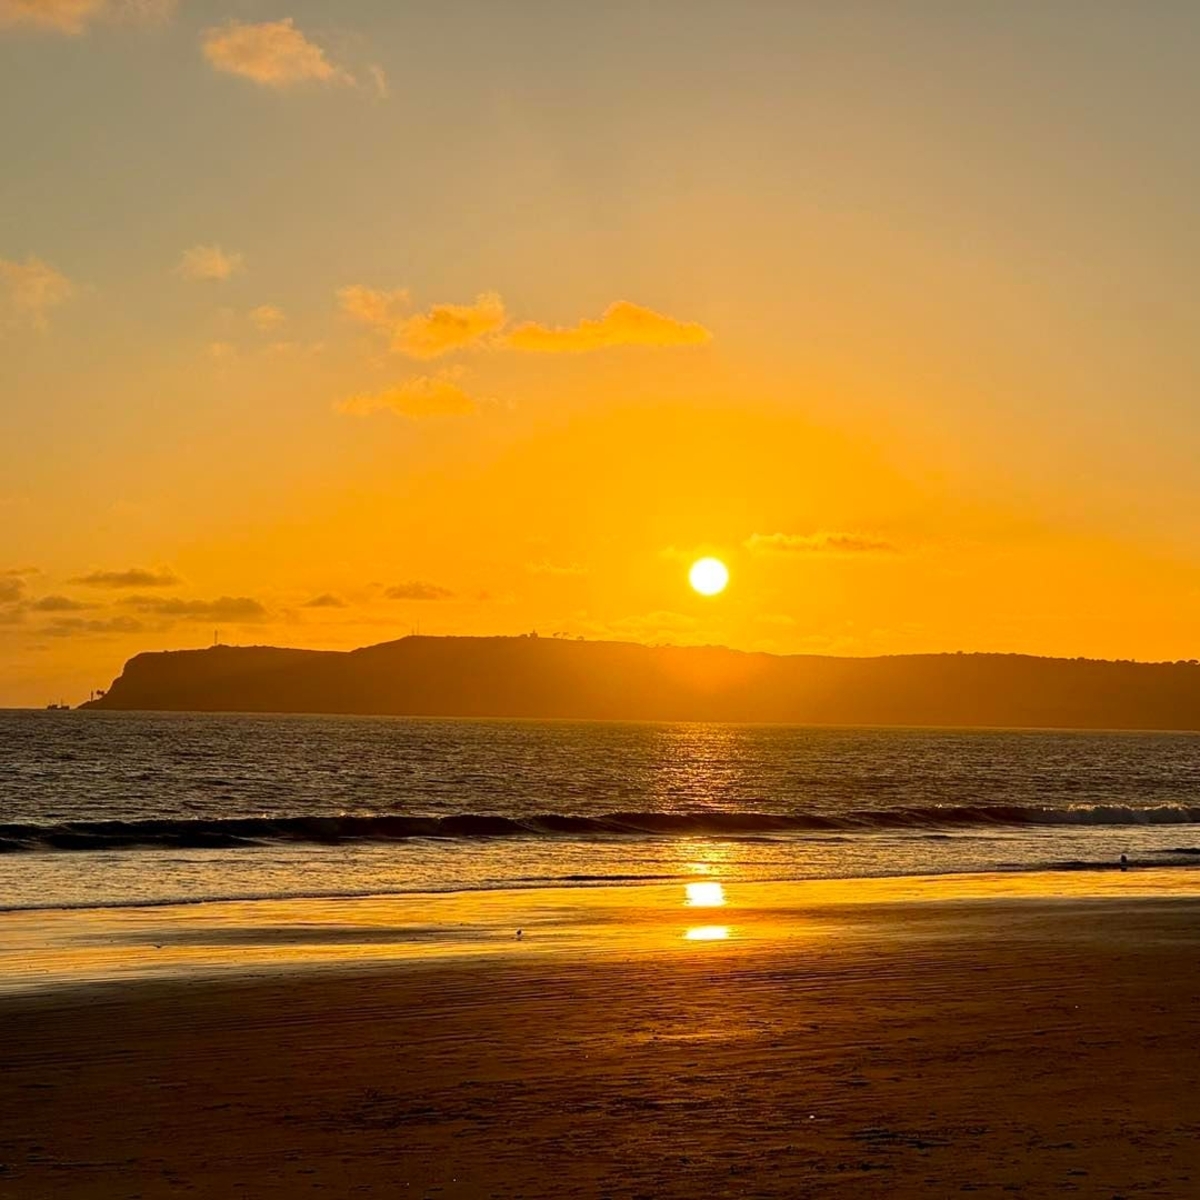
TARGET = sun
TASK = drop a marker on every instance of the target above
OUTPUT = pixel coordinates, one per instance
(708, 576)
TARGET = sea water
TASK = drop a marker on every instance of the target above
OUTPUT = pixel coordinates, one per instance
(101, 809)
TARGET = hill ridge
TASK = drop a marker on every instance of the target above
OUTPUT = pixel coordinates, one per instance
(594, 680)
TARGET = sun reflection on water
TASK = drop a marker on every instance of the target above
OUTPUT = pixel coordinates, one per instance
(707, 933)
(705, 894)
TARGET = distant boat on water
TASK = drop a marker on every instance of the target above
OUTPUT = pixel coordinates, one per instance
(59, 707)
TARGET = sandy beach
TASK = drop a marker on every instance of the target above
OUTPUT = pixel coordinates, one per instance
(1037, 1040)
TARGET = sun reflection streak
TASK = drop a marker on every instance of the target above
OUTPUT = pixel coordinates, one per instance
(705, 894)
(707, 933)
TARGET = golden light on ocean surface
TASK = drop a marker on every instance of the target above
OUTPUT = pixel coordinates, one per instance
(709, 576)
(705, 894)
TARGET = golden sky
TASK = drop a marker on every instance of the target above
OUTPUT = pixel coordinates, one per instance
(322, 323)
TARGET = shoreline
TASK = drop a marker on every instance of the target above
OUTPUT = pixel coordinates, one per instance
(899, 1039)
(53, 948)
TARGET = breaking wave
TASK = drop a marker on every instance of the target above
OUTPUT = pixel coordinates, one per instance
(232, 832)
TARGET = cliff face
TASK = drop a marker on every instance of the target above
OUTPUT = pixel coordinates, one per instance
(526, 677)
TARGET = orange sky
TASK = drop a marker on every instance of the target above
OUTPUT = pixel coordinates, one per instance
(323, 324)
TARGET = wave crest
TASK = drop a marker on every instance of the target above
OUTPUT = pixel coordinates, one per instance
(224, 833)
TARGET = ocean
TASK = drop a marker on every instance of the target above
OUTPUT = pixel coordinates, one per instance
(102, 809)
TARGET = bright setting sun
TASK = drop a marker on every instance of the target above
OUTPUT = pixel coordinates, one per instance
(708, 576)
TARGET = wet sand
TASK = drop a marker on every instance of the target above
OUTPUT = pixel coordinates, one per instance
(903, 1048)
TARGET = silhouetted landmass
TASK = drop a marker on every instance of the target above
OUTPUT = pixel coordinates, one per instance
(546, 677)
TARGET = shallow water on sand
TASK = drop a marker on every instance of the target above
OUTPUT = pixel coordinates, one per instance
(125, 808)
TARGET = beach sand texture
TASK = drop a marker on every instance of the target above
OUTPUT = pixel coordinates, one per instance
(991, 1047)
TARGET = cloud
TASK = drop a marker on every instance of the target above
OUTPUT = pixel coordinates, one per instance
(447, 327)
(133, 577)
(276, 349)
(622, 324)
(62, 16)
(70, 626)
(817, 543)
(271, 53)
(29, 290)
(418, 590)
(74, 16)
(225, 608)
(545, 567)
(209, 264)
(425, 396)
(325, 600)
(379, 81)
(58, 604)
(267, 317)
(12, 587)
(370, 305)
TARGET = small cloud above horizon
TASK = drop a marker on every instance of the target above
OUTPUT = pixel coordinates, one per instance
(267, 317)
(209, 264)
(73, 17)
(440, 330)
(545, 567)
(373, 306)
(69, 626)
(12, 587)
(418, 590)
(58, 603)
(621, 324)
(424, 396)
(446, 328)
(131, 578)
(325, 600)
(224, 608)
(272, 54)
(30, 290)
(817, 543)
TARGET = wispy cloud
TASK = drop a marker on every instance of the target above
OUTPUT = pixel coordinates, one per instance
(379, 81)
(425, 396)
(325, 600)
(447, 327)
(30, 290)
(132, 577)
(267, 317)
(72, 626)
(210, 264)
(59, 604)
(73, 17)
(545, 567)
(12, 587)
(373, 306)
(622, 324)
(817, 543)
(417, 589)
(224, 608)
(440, 330)
(271, 53)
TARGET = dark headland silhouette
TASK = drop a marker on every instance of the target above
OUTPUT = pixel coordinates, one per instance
(558, 678)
